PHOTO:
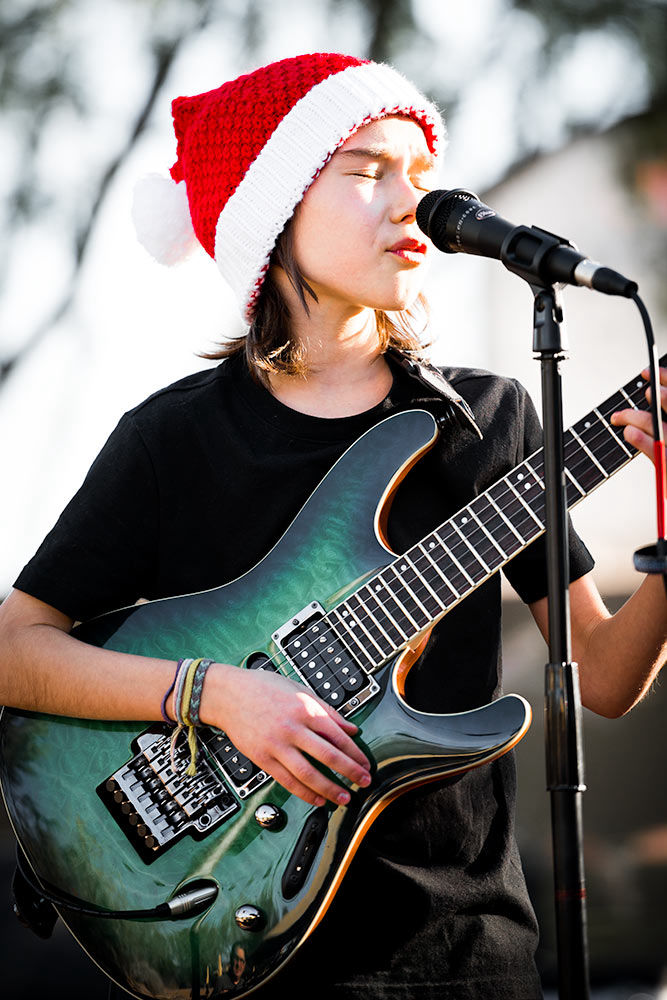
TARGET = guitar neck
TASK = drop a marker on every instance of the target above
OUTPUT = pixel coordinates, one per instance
(420, 586)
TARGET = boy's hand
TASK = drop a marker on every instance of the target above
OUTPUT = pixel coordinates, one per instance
(279, 724)
(638, 424)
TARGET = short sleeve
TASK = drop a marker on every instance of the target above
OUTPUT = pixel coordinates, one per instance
(527, 572)
(101, 554)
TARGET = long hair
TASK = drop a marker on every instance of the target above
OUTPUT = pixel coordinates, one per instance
(268, 345)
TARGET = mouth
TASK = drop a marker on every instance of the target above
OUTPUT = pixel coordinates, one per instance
(409, 250)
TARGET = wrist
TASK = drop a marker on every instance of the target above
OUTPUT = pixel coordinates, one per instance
(216, 693)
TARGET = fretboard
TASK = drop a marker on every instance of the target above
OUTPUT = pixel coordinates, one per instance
(420, 586)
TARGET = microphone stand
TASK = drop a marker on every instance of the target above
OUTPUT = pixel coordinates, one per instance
(563, 723)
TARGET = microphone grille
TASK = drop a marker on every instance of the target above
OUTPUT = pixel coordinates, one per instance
(436, 207)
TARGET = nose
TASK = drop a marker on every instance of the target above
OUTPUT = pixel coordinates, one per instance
(405, 200)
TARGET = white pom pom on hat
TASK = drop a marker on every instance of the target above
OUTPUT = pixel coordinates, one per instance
(161, 216)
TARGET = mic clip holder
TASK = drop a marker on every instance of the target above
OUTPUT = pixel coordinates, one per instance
(524, 252)
(652, 559)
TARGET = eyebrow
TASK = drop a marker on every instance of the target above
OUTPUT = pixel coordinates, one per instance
(424, 160)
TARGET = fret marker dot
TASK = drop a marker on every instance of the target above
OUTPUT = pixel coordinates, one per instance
(378, 588)
(312, 663)
(337, 660)
(404, 567)
(305, 653)
(330, 649)
(464, 520)
(319, 675)
(528, 485)
(353, 680)
(345, 614)
(587, 424)
(431, 545)
(297, 644)
(326, 686)
(639, 385)
(334, 696)
(315, 628)
(323, 638)
(520, 475)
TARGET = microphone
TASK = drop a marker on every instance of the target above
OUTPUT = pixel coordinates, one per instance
(457, 221)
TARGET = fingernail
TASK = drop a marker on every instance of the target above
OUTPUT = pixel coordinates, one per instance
(344, 798)
(365, 780)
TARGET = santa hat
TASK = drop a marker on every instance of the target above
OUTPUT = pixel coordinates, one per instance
(248, 151)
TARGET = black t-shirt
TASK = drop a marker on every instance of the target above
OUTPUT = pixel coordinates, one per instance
(192, 488)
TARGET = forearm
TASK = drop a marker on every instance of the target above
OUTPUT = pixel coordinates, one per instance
(621, 655)
(46, 670)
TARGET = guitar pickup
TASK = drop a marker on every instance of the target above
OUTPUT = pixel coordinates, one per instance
(323, 660)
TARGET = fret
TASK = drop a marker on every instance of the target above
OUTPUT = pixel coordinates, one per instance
(514, 512)
(413, 586)
(405, 599)
(629, 399)
(388, 623)
(439, 603)
(370, 627)
(462, 553)
(538, 464)
(589, 453)
(478, 539)
(390, 608)
(530, 489)
(456, 571)
(501, 554)
(596, 435)
(499, 526)
(610, 430)
(587, 474)
(446, 566)
(393, 608)
(434, 568)
(478, 555)
(572, 497)
(349, 621)
(372, 606)
(522, 501)
(428, 597)
(619, 401)
(381, 636)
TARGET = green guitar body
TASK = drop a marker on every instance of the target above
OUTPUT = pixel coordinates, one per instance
(52, 768)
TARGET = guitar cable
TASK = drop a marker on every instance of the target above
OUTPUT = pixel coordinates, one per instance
(189, 902)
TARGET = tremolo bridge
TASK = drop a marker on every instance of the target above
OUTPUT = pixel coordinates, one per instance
(155, 805)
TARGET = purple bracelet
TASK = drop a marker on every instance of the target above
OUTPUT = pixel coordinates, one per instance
(163, 705)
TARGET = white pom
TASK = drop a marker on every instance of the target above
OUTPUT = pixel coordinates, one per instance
(162, 220)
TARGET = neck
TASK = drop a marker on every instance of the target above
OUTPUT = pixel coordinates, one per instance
(346, 370)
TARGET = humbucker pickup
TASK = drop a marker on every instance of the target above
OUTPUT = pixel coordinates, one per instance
(323, 661)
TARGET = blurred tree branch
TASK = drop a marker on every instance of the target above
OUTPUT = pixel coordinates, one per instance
(42, 99)
(40, 77)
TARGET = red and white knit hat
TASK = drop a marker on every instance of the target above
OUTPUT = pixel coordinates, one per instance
(248, 151)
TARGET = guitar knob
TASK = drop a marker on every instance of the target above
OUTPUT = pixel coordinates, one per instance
(249, 917)
(270, 817)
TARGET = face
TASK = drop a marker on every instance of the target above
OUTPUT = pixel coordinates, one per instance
(356, 238)
(238, 963)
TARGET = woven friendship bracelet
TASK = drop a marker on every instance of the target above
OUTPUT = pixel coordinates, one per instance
(197, 689)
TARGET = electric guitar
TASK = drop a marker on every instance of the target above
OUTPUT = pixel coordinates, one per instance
(228, 855)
